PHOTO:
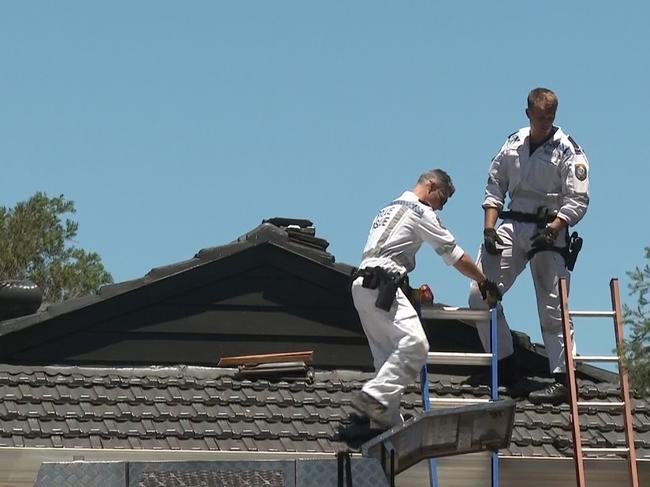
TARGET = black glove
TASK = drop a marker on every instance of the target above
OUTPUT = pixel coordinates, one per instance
(490, 240)
(545, 239)
(489, 290)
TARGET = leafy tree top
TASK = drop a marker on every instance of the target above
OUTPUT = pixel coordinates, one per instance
(37, 243)
(637, 346)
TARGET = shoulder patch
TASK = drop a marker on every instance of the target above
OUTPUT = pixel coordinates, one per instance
(575, 145)
(581, 171)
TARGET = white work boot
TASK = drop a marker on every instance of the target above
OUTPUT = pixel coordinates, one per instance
(368, 407)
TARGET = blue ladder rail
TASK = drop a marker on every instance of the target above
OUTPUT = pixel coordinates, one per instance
(494, 395)
(494, 392)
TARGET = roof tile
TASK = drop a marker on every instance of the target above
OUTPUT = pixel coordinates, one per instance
(115, 443)
(250, 444)
(95, 427)
(193, 444)
(51, 427)
(206, 428)
(74, 427)
(211, 443)
(11, 393)
(37, 442)
(34, 427)
(231, 444)
(31, 410)
(163, 409)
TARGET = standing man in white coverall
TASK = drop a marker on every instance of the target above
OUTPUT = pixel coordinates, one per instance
(546, 175)
(397, 341)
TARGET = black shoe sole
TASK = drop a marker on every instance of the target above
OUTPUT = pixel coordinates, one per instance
(358, 433)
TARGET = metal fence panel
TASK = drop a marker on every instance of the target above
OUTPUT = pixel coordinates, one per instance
(82, 474)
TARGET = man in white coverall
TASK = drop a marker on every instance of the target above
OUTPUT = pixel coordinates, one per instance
(546, 175)
(397, 341)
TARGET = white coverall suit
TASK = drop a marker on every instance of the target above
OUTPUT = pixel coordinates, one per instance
(397, 341)
(556, 177)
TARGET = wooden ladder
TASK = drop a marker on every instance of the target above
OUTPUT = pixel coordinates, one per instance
(575, 404)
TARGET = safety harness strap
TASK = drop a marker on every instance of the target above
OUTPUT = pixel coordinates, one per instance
(376, 250)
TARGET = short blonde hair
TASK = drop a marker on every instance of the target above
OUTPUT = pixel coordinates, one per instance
(542, 98)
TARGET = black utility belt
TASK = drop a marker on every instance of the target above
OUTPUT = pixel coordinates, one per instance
(385, 282)
(540, 218)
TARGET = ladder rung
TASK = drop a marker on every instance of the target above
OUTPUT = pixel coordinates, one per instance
(601, 404)
(606, 450)
(596, 358)
(593, 314)
(458, 358)
(450, 313)
(456, 400)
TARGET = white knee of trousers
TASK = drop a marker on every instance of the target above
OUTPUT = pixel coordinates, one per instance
(475, 300)
(418, 353)
(504, 337)
(410, 339)
(412, 351)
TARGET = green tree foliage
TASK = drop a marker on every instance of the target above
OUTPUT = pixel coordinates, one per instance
(37, 243)
(637, 346)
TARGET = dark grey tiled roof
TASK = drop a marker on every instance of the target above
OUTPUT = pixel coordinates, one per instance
(193, 408)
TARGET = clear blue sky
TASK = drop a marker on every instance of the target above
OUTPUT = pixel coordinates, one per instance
(180, 125)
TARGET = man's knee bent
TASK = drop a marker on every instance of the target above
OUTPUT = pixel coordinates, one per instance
(413, 353)
(419, 351)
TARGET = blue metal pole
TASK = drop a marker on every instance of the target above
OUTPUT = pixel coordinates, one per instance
(426, 404)
(494, 350)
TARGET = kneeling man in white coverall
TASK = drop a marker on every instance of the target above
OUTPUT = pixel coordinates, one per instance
(397, 341)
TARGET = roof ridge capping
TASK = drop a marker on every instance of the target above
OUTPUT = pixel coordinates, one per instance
(295, 233)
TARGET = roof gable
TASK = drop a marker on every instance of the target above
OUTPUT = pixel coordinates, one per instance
(271, 290)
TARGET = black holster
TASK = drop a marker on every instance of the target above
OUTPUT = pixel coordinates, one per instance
(568, 253)
(575, 246)
(385, 282)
